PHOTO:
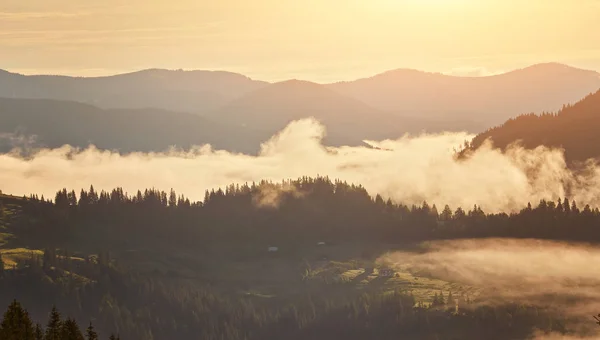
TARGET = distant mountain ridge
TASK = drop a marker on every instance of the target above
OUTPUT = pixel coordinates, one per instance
(348, 120)
(189, 91)
(386, 105)
(489, 100)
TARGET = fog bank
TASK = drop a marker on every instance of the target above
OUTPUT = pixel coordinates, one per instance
(410, 169)
(557, 275)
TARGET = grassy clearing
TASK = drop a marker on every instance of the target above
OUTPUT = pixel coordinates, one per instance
(319, 270)
(423, 288)
(12, 257)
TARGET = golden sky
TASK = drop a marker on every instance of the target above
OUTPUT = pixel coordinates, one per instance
(319, 40)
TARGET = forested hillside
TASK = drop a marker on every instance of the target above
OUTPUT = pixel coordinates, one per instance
(153, 265)
(574, 129)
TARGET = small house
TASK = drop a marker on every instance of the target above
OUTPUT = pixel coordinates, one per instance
(272, 249)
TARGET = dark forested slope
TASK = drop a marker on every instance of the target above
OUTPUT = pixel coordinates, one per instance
(153, 265)
(574, 129)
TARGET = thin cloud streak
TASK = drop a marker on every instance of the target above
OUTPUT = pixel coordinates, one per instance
(41, 15)
(472, 71)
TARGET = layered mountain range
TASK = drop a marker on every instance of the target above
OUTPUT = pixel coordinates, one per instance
(154, 109)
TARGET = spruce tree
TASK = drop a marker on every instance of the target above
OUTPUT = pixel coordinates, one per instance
(54, 327)
(91, 333)
(16, 324)
(39, 332)
(436, 300)
(450, 301)
(70, 330)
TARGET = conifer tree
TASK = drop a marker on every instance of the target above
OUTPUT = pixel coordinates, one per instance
(91, 333)
(70, 330)
(39, 332)
(172, 199)
(566, 206)
(436, 300)
(574, 208)
(450, 301)
(54, 327)
(16, 324)
(446, 214)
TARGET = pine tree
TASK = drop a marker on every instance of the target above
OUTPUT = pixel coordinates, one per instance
(566, 206)
(91, 333)
(172, 199)
(446, 214)
(574, 208)
(436, 300)
(53, 329)
(39, 332)
(72, 198)
(450, 301)
(70, 330)
(434, 212)
(16, 324)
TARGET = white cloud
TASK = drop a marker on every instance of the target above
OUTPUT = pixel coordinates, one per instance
(413, 170)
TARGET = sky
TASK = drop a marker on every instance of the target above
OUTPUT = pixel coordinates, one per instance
(318, 40)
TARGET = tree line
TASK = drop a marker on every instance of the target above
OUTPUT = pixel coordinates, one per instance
(16, 324)
(326, 209)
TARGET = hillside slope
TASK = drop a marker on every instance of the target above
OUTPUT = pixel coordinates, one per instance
(574, 128)
(348, 120)
(51, 123)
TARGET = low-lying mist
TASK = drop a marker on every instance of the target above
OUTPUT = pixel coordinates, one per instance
(557, 275)
(411, 169)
